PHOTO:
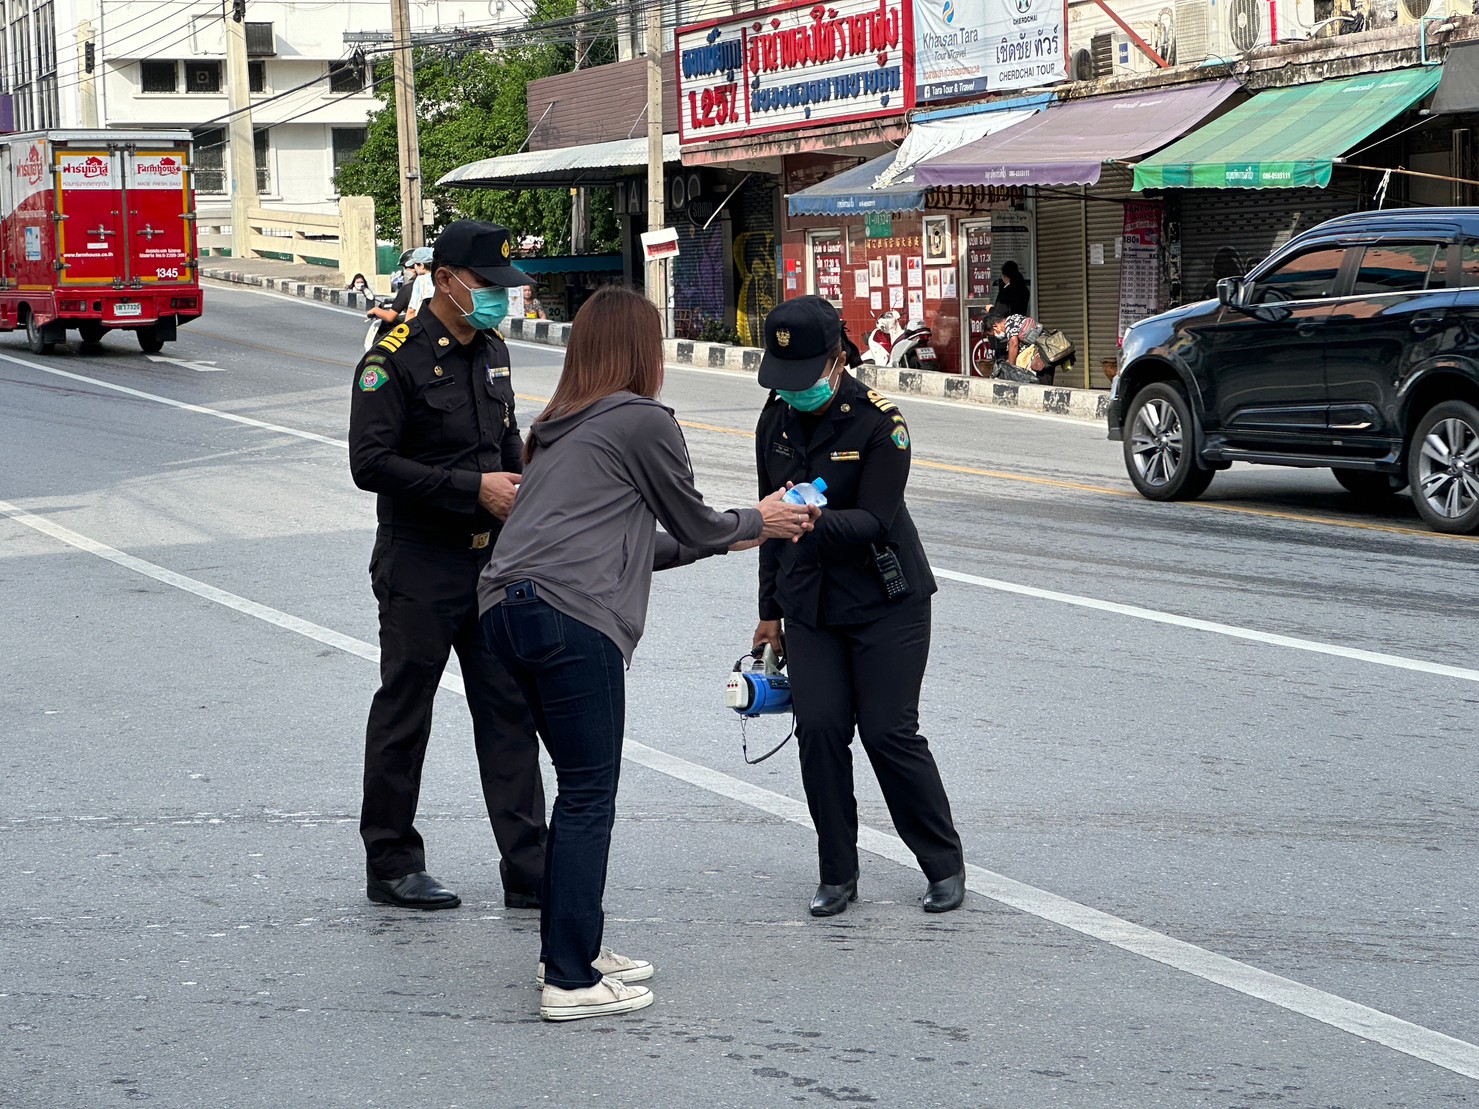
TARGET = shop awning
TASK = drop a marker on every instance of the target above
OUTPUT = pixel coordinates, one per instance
(887, 184)
(1286, 138)
(594, 165)
(1458, 91)
(1068, 143)
(570, 263)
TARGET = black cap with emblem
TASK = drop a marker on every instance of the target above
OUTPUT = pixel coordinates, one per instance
(484, 248)
(801, 337)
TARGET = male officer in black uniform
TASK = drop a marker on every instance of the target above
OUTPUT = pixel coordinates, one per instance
(432, 431)
(854, 595)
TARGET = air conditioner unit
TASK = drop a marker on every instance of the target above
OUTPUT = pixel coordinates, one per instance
(1414, 11)
(1081, 64)
(1244, 25)
(1195, 28)
(260, 41)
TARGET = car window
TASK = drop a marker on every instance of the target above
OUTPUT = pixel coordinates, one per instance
(1394, 268)
(1309, 275)
(1469, 264)
(1442, 261)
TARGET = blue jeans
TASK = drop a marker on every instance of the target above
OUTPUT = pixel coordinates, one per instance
(574, 680)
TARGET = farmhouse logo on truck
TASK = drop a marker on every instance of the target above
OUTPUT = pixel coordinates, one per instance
(32, 167)
(156, 171)
(91, 166)
(85, 171)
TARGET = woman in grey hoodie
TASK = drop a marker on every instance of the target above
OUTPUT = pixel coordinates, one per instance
(564, 599)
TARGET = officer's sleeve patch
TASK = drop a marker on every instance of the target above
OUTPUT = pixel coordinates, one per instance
(393, 341)
(372, 378)
(901, 437)
(881, 402)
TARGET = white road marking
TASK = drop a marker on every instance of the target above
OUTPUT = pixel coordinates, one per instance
(909, 398)
(198, 367)
(1448, 1052)
(1272, 639)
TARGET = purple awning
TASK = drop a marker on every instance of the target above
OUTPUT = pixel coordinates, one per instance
(1068, 143)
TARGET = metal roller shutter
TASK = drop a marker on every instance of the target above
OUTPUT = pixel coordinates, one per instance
(1105, 217)
(1225, 232)
(1061, 254)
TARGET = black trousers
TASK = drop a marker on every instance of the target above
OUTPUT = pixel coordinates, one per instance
(428, 608)
(869, 675)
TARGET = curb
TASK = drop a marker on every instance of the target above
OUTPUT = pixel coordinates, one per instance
(1049, 400)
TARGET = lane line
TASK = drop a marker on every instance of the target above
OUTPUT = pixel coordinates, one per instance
(1415, 1040)
(1234, 631)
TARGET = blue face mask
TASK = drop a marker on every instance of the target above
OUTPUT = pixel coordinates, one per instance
(812, 399)
(489, 306)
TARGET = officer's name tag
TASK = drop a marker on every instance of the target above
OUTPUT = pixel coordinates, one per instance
(846, 456)
(782, 449)
(495, 372)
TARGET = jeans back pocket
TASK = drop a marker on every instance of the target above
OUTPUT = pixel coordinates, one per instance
(535, 629)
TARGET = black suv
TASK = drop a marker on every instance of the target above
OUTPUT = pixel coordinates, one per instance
(1356, 347)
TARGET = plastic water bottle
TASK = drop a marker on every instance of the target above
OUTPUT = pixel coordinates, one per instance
(808, 492)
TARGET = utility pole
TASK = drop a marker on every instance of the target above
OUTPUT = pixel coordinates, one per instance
(413, 232)
(656, 286)
(242, 148)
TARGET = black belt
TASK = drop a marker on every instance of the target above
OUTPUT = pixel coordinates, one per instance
(439, 537)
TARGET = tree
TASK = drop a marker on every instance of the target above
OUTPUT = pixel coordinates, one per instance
(470, 104)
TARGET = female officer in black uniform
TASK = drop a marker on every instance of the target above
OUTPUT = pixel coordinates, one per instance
(854, 651)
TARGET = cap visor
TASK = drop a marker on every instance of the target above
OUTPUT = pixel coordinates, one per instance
(792, 374)
(506, 276)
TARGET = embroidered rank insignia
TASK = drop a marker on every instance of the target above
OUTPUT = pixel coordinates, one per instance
(496, 332)
(372, 379)
(881, 402)
(901, 437)
(846, 456)
(393, 341)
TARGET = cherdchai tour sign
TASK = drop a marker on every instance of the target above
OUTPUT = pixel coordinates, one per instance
(967, 47)
(794, 66)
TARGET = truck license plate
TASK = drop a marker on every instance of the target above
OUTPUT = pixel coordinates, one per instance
(128, 308)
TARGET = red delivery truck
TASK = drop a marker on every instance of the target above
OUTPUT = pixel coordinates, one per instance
(97, 234)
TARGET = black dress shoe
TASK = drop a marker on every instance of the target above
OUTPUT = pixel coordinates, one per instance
(411, 891)
(946, 894)
(515, 900)
(831, 900)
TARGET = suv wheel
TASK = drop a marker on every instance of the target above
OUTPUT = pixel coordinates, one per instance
(1159, 455)
(1369, 484)
(1443, 465)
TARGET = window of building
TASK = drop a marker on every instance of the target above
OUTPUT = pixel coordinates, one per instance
(346, 77)
(210, 160)
(158, 76)
(1394, 268)
(202, 76)
(257, 76)
(1307, 276)
(260, 151)
(347, 143)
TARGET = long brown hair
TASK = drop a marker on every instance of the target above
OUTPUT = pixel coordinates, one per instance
(615, 346)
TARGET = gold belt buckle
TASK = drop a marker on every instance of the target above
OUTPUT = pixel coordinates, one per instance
(481, 540)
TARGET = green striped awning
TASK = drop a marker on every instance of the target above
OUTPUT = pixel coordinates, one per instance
(1286, 138)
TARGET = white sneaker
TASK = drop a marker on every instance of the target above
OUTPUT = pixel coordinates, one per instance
(607, 996)
(611, 965)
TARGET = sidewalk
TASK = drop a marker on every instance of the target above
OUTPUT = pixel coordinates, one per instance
(1083, 404)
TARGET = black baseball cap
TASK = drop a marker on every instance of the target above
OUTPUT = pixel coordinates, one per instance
(801, 337)
(484, 248)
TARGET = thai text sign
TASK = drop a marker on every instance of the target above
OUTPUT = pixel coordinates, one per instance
(795, 66)
(966, 47)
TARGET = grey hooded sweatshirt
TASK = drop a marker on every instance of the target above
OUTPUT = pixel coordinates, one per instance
(583, 527)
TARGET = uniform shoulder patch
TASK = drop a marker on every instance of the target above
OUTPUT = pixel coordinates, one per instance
(881, 402)
(372, 377)
(900, 437)
(393, 341)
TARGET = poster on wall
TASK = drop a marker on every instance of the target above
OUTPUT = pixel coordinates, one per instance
(794, 66)
(1012, 241)
(875, 300)
(969, 47)
(895, 269)
(896, 298)
(947, 284)
(875, 272)
(860, 283)
(1140, 264)
(932, 284)
(978, 262)
(916, 273)
(916, 304)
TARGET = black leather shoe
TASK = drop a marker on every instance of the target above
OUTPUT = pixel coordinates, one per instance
(514, 900)
(946, 894)
(411, 891)
(831, 900)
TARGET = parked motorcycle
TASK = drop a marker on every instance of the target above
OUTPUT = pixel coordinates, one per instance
(377, 324)
(906, 347)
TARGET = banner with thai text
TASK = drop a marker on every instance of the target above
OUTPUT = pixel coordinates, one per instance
(967, 47)
(800, 65)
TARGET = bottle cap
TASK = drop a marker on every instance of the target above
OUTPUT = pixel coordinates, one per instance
(820, 485)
